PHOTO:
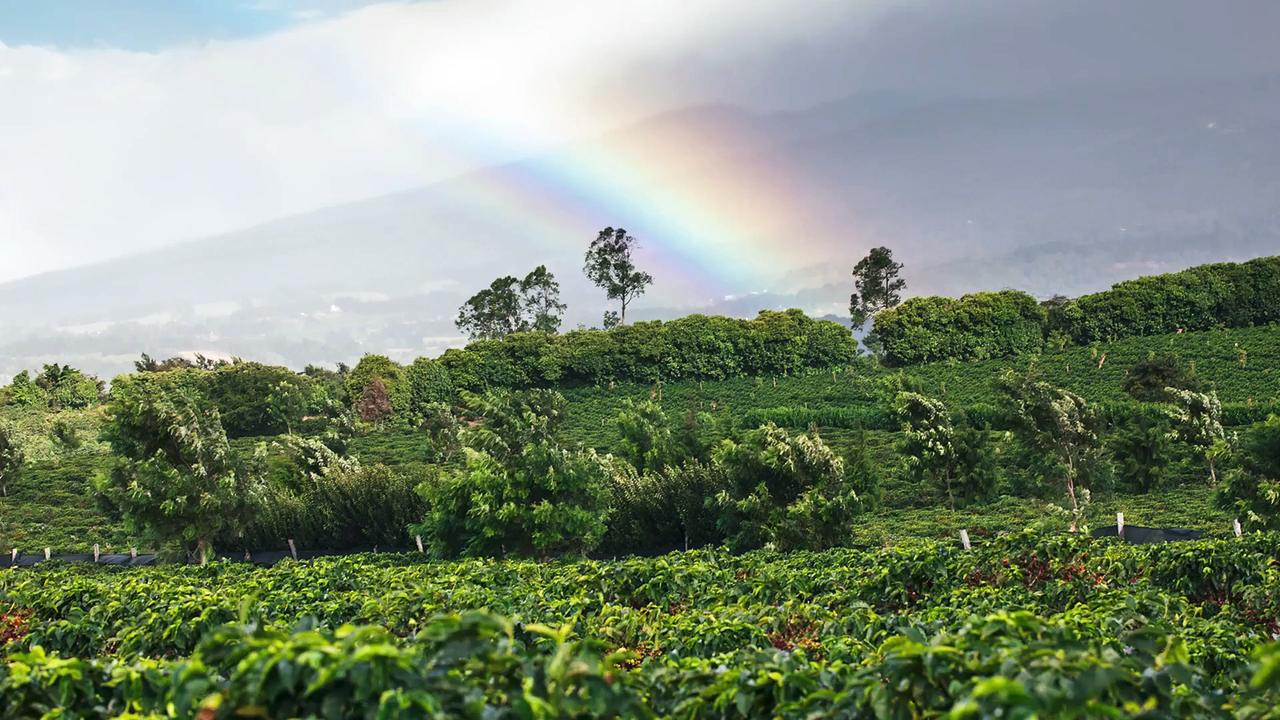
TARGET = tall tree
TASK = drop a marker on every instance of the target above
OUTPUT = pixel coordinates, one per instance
(540, 296)
(1197, 420)
(609, 266)
(879, 287)
(493, 312)
(176, 477)
(520, 489)
(1060, 425)
(930, 441)
(1252, 489)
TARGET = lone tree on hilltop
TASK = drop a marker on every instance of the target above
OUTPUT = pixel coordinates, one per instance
(879, 287)
(609, 265)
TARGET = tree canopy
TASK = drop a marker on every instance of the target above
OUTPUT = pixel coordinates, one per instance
(878, 285)
(609, 265)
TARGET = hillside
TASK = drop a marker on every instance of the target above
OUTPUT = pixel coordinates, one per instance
(52, 505)
(1055, 195)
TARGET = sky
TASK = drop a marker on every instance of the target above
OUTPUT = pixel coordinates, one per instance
(132, 124)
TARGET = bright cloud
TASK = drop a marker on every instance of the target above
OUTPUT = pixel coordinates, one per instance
(106, 151)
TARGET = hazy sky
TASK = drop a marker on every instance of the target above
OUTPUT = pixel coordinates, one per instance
(135, 123)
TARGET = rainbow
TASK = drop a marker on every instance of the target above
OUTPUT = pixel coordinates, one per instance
(705, 230)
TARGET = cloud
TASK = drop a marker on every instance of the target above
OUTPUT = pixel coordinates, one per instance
(104, 151)
(107, 151)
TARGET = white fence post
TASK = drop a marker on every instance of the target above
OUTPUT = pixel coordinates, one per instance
(1235, 526)
(47, 553)
(1120, 524)
(964, 539)
(293, 550)
(96, 552)
(133, 553)
(14, 556)
(418, 539)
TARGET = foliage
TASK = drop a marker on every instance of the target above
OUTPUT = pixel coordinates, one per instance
(382, 368)
(693, 347)
(1144, 452)
(960, 462)
(1201, 298)
(66, 435)
(146, 363)
(510, 305)
(374, 405)
(255, 399)
(520, 491)
(67, 387)
(175, 477)
(429, 385)
(1057, 423)
(540, 298)
(974, 327)
(877, 285)
(12, 457)
(443, 430)
(609, 265)
(782, 490)
(494, 312)
(928, 443)
(1252, 490)
(664, 509)
(22, 391)
(343, 505)
(1198, 421)
(646, 437)
(1022, 625)
(1148, 380)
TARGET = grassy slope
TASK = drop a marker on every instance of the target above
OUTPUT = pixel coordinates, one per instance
(52, 504)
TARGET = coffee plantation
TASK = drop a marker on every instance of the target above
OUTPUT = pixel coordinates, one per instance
(1022, 625)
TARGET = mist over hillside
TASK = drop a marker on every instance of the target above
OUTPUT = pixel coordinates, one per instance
(1062, 193)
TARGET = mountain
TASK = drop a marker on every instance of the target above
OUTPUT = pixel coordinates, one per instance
(1065, 193)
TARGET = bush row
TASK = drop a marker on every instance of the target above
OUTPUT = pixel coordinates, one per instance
(1200, 298)
(1011, 323)
(1115, 413)
(692, 347)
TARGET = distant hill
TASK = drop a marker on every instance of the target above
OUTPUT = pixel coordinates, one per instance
(1062, 194)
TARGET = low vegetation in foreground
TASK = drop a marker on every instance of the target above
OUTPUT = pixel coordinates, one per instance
(1023, 625)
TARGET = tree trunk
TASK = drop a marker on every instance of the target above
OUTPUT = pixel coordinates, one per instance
(1075, 506)
(1213, 471)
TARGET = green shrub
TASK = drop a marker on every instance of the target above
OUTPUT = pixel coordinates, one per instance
(1201, 298)
(974, 327)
